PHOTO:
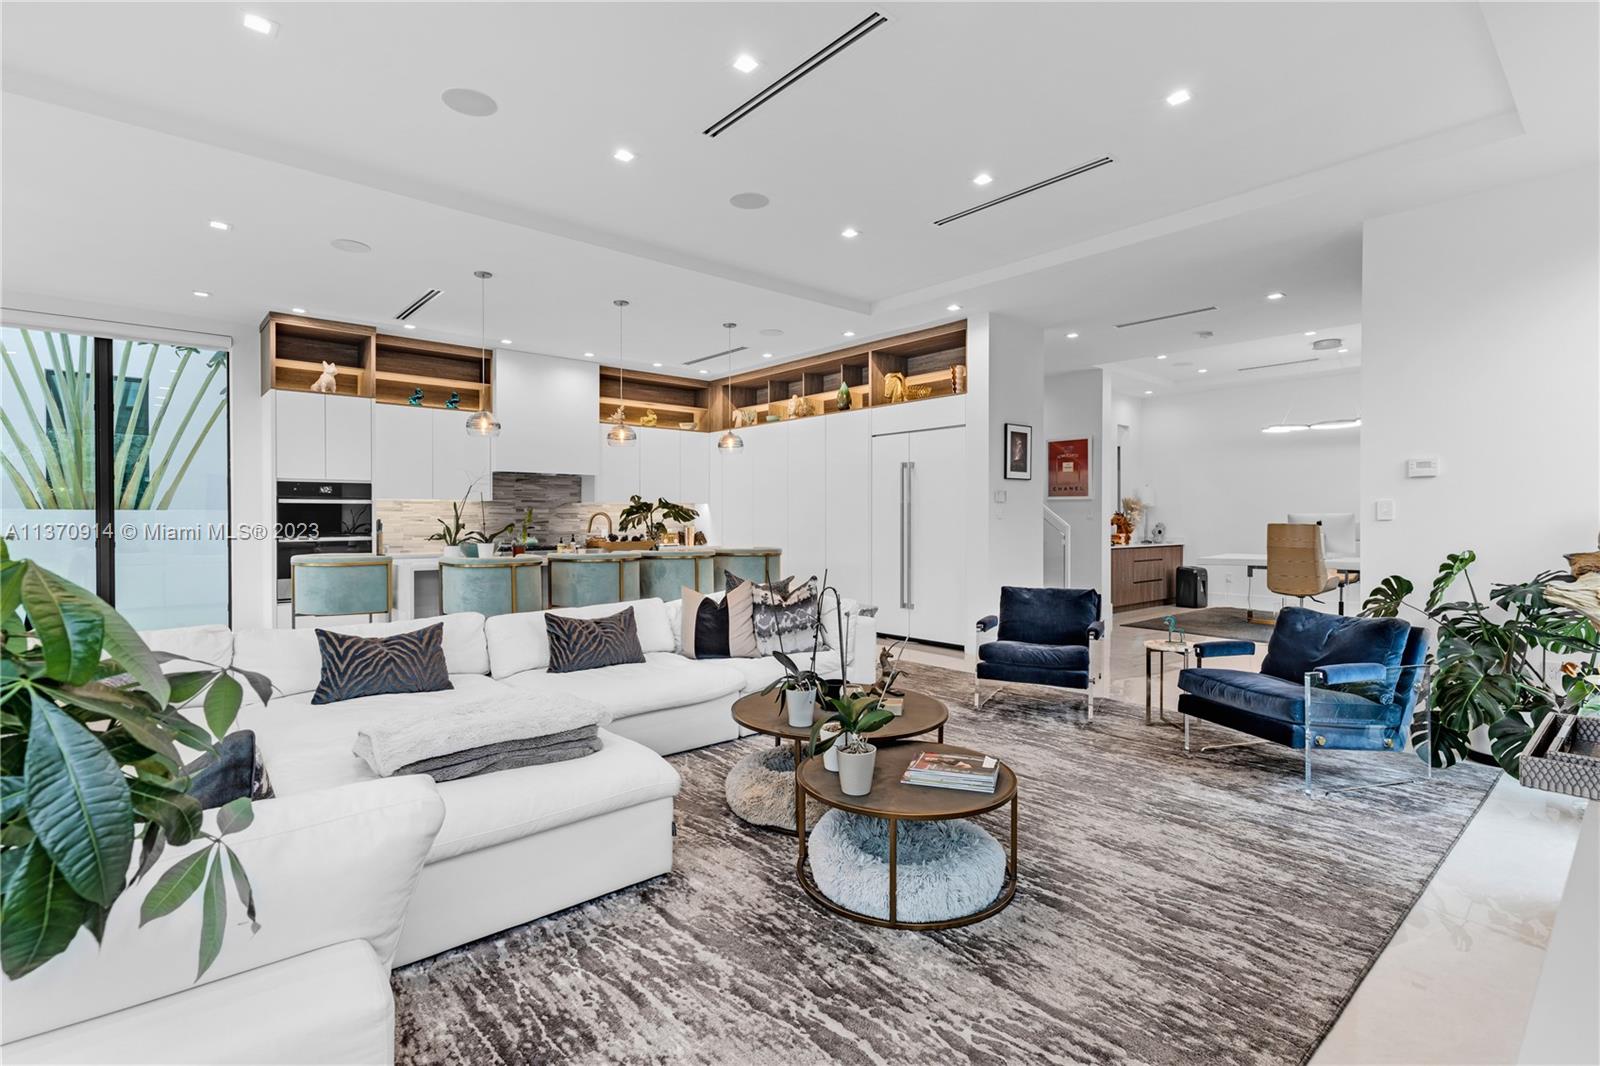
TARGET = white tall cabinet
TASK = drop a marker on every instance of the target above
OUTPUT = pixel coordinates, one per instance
(918, 544)
(660, 463)
(322, 438)
(847, 489)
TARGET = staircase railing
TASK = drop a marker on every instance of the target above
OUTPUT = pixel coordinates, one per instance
(1056, 526)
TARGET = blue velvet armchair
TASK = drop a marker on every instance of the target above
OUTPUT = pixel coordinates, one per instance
(1327, 681)
(1045, 637)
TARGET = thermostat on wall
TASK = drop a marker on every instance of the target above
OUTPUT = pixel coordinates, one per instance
(1427, 466)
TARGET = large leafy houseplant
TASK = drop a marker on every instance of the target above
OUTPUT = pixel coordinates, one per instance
(90, 765)
(1492, 667)
(652, 518)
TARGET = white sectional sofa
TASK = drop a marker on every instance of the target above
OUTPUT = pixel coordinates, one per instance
(510, 846)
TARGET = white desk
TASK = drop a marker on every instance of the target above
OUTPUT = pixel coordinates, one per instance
(1348, 565)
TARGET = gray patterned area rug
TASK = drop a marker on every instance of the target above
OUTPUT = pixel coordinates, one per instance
(1170, 910)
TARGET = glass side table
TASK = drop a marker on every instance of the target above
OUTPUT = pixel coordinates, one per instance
(1157, 701)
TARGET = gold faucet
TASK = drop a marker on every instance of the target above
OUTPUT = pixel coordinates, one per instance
(601, 514)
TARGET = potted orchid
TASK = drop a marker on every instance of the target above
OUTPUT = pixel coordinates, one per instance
(856, 716)
(799, 688)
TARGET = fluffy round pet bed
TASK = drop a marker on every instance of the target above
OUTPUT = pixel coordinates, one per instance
(760, 788)
(945, 869)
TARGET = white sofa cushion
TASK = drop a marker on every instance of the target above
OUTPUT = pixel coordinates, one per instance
(208, 645)
(291, 659)
(518, 642)
(325, 868)
(664, 680)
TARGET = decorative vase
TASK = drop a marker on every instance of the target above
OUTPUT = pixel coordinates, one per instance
(855, 771)
(844, 397)
(452, 551)
(802, 706)
(958, 380)
(830, 758)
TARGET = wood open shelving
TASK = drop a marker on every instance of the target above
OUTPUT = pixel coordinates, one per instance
(641, 393)
(371, 364)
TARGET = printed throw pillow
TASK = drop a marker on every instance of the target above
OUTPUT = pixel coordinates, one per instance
(785, 615)
(590, 643)
(353, 666)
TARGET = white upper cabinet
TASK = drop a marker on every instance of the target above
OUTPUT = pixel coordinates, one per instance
(548, 410)
(696, 453)
(402, 454)
(618, 478)
(660, 463)
(461, 461)
(319, 437)
(849, 508)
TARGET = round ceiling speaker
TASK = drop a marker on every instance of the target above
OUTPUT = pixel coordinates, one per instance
(1326, 344)
(749, 201)
(469, 102)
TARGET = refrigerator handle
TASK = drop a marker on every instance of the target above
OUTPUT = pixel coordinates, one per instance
(906, 470)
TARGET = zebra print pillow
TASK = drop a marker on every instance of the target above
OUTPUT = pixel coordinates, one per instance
(590, 643)
(353, 667)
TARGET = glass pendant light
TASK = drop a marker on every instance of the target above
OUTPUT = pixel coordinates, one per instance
(729, 441)
(482, 423)
(620, 435)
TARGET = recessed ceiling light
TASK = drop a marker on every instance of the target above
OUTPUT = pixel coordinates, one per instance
(259, 24)
(1179, 96)
(983, 179)
(1310, 333)
(655, 364)
(1072, 336)
(1149, 392)
(771, 331)
(469, 102)
(622, 155)
(766, 355)
(298, 310)
(705, 371)
(749, 201)
(1342, 351)
(217, 223)
(345, 244)
(407, 325)
(1274, 295)
(505, 340)
(1163, 355)
(1202, 370)
(201, 293)
(953, 307)
(588, 355)
(745, 63)
(849, 333)
(850, 232)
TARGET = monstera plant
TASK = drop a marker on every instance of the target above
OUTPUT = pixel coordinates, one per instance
(1493, 663)
(91, 734)
(652, 518)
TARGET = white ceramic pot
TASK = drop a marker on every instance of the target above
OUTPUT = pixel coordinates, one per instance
(830, 758)
(452, 551)
(855, 771)
(802, 706)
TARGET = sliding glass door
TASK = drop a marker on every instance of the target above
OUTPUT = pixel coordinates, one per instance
(116, 469)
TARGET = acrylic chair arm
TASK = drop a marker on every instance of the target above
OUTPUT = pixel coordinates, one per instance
(1097, 629)
(988, 622)
(1347, 673)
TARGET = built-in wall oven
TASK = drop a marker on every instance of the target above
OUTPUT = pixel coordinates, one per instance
(317, 517)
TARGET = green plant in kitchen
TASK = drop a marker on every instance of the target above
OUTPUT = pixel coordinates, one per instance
(1493, 665)
(90, 732)
(54, 470)
(525, 531)
(651, 518)
(455, 533)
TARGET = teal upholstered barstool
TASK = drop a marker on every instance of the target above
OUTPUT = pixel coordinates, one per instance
(505, 585)
(665, 574)
(752, 564)
(321, 586)
(604, 577)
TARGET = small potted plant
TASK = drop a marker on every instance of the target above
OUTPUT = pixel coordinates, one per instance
(856, 716)
(799, 688)
(453, 533)
(651, 518)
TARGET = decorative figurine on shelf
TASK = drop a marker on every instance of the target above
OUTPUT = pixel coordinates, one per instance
(919, 392)
(1158, 533)
(619, 416)
(844, 396)
(894, 387)
(649, 418)
(454, 402)
(742, 418)
(799, 407)
(1124, 530)
(415, 399)
(326, 382)
(958, 379)
(1174, 634)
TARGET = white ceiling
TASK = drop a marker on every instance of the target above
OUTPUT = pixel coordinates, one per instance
(1228, 365)
(127, 126)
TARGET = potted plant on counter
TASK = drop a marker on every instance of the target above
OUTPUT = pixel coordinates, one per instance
(651, 518)
(799, 688)
(856, 716)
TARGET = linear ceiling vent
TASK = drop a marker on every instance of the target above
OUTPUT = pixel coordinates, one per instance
(1035, 187)
(839, 44)
(719, 355)
(1273, 366)
(417, 304)
(1163, 318)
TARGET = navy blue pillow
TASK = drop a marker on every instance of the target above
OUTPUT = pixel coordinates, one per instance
(353, 666)
(1303, 640)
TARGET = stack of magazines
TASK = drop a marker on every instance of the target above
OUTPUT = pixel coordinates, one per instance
(969, 773)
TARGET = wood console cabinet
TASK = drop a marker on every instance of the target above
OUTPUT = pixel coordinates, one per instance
(1144, 574)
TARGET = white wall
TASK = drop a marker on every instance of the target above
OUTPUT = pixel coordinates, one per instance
(1219, 480)
(1481, 336)
(1078, 404)
(1015, 524)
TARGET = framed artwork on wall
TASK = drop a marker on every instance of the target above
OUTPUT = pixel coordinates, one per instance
(1068, 468)
(1019, 452)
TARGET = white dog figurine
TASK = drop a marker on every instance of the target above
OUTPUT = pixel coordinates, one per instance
(326, 382)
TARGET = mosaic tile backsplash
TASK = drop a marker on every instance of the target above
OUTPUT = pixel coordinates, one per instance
(556, 500)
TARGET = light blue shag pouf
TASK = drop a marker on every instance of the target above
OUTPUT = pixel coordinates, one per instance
(946, 869)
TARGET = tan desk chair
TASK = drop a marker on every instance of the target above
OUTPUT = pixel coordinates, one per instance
(1297, 565)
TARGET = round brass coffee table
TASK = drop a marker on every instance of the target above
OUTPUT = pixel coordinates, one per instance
(766, 714)
(895, 802)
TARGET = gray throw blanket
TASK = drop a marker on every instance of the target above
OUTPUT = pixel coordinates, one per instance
(449, 740)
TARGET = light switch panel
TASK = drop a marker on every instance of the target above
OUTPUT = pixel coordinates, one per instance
(999, 495)
(1383, 510)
